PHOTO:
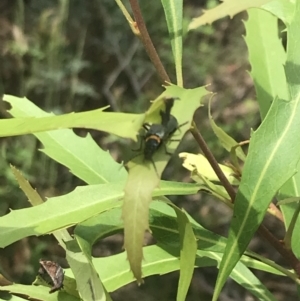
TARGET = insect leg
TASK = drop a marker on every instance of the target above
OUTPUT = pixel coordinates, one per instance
(181, 125)
(166, 150)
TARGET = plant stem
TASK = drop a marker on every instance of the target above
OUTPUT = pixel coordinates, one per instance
(286, 253)
(146, 40)
(262, 230)
(126, 14)
(213, 162)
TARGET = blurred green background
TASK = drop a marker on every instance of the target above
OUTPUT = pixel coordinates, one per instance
(81, 55)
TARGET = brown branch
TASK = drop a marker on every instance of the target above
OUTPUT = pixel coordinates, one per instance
(262, 230)
(287, 254)
(146, 40)
(213, 162)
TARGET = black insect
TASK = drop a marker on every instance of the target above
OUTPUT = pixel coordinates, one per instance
(158, 134)
(52, 273)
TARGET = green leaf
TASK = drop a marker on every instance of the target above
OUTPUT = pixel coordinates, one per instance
(33, 197)
(164, 227)
(59, 212)
(270, 161)
(267, 57)
(143, 178)
(264, 264)
(282, 9)
(89, 284)
(83, 270)
(291, 191)
(88, 162)
(38, 292)
(227, 142)
(163, 224)
(243, 276)
(188, 249)
(70, 209)
(121, 124)
(292, 187)
(176, 188)
(135, 211)
(173, 12)
(290, 200)
(226, 8)
(114, 270)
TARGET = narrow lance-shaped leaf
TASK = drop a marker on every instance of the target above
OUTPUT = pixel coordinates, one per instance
(173, 13)
(59, 212)
(267, 57)
(121, 124)
(33, 197)
(243, 276)
(292, 188)
(188, 249)
(135, 215)
(272, 160)
(226, 8)
(37, 292)
(291, 219)
(160, 260)
(82, 156)
(89, 284)
(72, 208)
(289, 201)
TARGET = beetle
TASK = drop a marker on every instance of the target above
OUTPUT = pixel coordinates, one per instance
(158, 134)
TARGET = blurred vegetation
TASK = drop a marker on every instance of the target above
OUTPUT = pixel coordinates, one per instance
(79, 55)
